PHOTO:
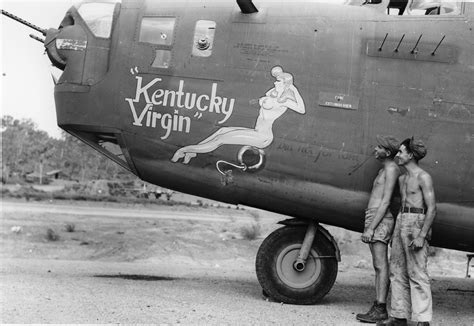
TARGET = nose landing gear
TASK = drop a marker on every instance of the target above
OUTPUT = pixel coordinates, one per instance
(284, 273)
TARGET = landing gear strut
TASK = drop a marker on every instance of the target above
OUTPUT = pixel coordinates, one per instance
(300, 262)
(297, 264)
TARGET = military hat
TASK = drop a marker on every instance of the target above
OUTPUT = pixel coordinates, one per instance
(388, 142)
(418, 148)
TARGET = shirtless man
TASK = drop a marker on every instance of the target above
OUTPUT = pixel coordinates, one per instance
(408, 262)
(379, 224)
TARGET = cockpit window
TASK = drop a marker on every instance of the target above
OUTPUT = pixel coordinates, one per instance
(157, 30)
(98, 17)
(432, 7)
(411, 7)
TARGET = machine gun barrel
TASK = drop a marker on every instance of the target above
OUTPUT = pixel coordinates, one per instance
(39, 39)
(24, 22)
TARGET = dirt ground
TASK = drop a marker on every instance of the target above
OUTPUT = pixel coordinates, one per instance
(82, 262)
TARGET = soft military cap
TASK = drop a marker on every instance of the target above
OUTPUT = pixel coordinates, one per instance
(388, 142)
(418, 148)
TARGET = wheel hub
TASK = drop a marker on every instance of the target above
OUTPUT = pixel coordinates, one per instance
(294, 275)
(299, 266)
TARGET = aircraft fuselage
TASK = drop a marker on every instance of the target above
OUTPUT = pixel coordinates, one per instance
(200, 109)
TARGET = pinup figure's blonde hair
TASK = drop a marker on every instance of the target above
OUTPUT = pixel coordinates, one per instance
(287, 80)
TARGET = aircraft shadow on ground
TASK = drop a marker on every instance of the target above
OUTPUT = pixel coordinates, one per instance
(137, 277)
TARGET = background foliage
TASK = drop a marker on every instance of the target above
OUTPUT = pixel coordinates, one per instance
(25, 149)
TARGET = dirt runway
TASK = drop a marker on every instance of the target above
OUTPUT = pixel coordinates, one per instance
(120, 268)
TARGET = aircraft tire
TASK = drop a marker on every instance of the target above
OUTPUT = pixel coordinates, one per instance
(278, 278)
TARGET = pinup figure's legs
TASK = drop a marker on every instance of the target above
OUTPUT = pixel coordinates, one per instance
(184, 152)
(226, 135)
(221, 131)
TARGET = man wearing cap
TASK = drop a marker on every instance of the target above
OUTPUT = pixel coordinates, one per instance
(379, 224)
(409, 257)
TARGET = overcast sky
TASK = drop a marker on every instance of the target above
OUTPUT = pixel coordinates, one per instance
(27, 87)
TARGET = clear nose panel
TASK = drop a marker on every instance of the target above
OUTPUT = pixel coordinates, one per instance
(98, 17)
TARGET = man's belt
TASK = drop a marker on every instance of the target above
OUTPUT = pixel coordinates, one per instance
(414, 210)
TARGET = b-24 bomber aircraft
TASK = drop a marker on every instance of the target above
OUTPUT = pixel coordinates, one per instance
(275, 105)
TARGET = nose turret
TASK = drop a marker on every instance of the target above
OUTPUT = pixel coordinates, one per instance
(51, 49)
(66, 48)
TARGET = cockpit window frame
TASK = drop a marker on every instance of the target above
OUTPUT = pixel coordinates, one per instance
(115, 14)
(163, 52)
(405, 16)
(173, 34)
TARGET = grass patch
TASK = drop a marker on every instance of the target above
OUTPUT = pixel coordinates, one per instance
(70, 227)
(51, 235)
(250, 232)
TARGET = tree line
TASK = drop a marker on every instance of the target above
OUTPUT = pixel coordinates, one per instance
(26, 149)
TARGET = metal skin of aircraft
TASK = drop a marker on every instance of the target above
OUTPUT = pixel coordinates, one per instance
(275, 106)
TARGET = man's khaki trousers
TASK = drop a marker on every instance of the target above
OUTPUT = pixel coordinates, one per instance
(411, 291)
